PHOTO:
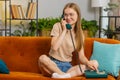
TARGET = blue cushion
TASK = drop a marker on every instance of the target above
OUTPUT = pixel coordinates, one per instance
(108, 57)
(3, 67)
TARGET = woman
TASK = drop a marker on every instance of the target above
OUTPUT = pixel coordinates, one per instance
(58, 63)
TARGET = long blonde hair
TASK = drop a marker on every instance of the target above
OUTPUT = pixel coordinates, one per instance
(78, 28)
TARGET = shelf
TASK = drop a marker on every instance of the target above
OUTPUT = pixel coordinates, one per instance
(116, 32)
(20, 19)
(4, 0)
(5, 28)
(10, 19)
(110, 16)
(109, 24)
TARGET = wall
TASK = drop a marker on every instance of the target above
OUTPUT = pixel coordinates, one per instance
(53, 8)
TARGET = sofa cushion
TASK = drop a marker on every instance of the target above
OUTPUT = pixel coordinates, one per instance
(32, 76)
(108, 57)
(35, 76)
(3, 67)
(21, 76)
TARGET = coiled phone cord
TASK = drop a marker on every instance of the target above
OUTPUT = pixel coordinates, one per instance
(75, 51)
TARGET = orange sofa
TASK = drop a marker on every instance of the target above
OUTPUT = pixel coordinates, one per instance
(21, 57)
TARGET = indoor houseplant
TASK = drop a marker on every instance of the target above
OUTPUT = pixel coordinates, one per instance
(111, 7)
(22, 30)
(108, 32)
(44, 25)
(90, 26)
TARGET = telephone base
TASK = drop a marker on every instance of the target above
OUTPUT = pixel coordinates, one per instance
(94, 74)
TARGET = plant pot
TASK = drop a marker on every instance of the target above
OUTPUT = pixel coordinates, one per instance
(46, 32)
(86, 33)
(110, 36)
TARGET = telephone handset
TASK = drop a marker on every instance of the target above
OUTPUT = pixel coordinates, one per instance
(68, 26)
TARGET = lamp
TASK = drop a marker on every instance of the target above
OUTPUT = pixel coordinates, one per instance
(99, 4)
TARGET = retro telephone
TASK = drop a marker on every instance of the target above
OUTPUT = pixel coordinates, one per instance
(95, 74)
(88, 73)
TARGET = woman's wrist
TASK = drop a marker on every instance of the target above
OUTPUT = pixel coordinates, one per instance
(87, 63)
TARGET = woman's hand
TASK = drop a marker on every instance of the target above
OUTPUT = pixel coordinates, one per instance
(93, 64)
(63, 24)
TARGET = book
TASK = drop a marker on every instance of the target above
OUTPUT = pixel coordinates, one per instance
(22, 14)
(29, 10)
(15, 12)
(33, 10)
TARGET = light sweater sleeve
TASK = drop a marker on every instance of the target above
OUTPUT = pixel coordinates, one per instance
(55, 30)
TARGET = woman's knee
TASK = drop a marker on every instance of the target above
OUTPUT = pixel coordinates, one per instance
(43, 58)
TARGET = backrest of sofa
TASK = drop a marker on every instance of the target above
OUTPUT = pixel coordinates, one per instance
(22, 53)
(88, 47)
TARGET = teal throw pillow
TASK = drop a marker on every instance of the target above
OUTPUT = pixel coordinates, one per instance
(108, 57)
(3, 67)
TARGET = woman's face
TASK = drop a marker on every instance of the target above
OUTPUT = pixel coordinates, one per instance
(70, 16)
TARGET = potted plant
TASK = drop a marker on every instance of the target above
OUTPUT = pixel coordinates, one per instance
(44, 25)
(108, 32)
(90, 26)
(22, 30)
(110, 8)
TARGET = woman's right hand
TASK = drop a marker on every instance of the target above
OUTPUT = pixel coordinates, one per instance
(63, 24)
(93, 64)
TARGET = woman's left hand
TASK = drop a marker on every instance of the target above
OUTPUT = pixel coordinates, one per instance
(93, 64)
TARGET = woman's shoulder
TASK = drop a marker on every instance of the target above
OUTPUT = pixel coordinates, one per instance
(56, 29)
(57, 24)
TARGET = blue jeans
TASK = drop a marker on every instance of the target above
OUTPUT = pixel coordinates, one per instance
(63, 66)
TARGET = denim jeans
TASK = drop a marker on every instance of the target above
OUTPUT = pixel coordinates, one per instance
(63, 66)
